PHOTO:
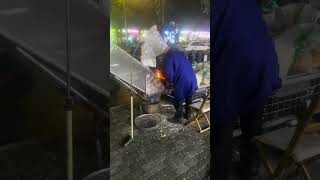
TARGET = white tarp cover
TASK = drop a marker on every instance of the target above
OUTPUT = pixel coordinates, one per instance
(153, 45)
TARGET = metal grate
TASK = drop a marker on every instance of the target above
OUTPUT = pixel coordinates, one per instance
(291, 99)
(200, 93)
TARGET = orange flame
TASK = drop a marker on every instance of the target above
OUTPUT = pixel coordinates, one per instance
(159, 75)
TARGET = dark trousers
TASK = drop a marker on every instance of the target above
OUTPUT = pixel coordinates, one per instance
(179, 109)
(251, 126)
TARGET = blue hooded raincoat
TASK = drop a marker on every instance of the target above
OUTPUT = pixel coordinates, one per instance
(178, 70)
(245, 67)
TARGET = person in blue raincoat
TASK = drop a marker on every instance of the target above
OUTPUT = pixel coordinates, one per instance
(245, 73)
(178, 71)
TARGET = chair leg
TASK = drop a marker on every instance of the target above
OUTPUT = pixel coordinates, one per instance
(305, 171)
(284, 162)
(265, 161)
(193, 119)
(204, 130)
(292, 173)
(198, 123)
(205, 116)
(196, 117)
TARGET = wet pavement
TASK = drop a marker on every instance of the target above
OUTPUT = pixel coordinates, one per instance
(171, 151)
(156, 154)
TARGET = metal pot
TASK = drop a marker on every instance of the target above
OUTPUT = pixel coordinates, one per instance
(151, 108)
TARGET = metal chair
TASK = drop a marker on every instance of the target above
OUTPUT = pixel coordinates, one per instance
(199, 110)
(298, 145)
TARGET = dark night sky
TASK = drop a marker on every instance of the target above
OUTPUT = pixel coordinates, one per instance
(186, 13)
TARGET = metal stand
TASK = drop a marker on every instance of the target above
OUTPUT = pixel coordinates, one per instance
(129, 140)
(69, 102)
(131, 110)
(125, 19)
(69, 133)
(131, 93)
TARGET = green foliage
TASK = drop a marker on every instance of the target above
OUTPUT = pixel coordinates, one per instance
(269, 6)
(137, 12)
(205, 6)
(116, 3)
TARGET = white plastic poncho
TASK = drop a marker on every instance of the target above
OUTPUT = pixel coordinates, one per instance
(153, 46)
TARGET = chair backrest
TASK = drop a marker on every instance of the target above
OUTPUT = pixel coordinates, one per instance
(303, 122)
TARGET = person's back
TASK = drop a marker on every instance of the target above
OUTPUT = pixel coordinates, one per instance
(245, 73)
(178, 70)
(245, 66)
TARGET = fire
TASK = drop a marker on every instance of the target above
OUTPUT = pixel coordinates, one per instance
(159, 75)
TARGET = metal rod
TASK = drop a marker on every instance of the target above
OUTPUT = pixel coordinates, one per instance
(68, 99)
(163, 2)
(131, 98)
(131, 91)
(69, 146)
(32, 52)
(68, 46)
(125, 19)
(59, 80)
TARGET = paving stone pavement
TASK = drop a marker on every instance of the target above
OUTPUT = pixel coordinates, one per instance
(172, 151)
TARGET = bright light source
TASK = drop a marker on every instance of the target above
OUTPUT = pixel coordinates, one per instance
(130, 39)
(159, 75)
(185, 32)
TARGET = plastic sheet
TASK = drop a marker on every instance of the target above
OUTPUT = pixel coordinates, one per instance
(291, 13)
(148, 57)
(296, 31)
(282, 18)
(153, 46)
(202, 71)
